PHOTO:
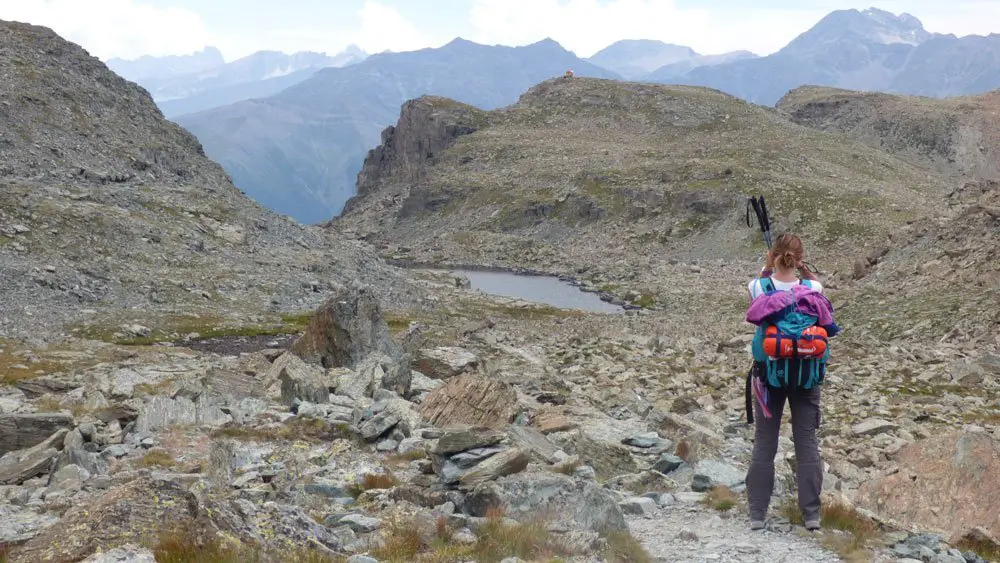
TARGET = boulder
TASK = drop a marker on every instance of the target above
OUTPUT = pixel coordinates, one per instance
(303, 382)
(945, 482)
(396, 413)
(445, 362)
(548, 420)
(163, 412)
(377, 371)
(873, 427)
(345, 330)
(124, 514)
(460, 440)
(471, 400)
(507, 462)
(608, 459)
(19, 466)
(21, 431)
(557, 498)
(534, 442)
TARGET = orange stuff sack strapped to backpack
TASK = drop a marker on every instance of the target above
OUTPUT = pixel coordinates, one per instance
(811, 344)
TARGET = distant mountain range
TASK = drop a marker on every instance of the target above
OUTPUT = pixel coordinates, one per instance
(299, 151)
(869, 50)
(156, 68)
(294, 135)
(644, 59)
(192, 83)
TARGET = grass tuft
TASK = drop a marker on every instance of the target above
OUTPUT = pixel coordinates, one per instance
(623, 548)
(496, 539)
(402, 541)
(405, 458)
(157, 457)
(721, 498)
(372, 481)
(189, 544)
(982, 547)
(859, 530)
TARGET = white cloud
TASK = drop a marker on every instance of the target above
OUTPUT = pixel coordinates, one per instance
(384, 28)
(112, 28)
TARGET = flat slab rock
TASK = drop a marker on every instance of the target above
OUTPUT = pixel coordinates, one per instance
(872, 427)
(21, 431)
(470, 400)
(445, 362)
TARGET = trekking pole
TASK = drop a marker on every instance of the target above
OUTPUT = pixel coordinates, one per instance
(764, 222)
(760, 209)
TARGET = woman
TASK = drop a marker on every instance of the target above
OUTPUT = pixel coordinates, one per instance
(784, 258)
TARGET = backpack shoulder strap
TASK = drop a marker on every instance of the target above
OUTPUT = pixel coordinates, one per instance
(766, 284)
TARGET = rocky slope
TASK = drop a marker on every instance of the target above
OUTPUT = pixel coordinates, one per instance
(619, 181)
(107, 207)
(299, 152)
(953, 136)
(861, 50)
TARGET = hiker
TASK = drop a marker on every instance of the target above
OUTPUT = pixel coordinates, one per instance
(788, 310)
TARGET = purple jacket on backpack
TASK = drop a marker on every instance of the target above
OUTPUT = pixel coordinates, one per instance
(807, 301)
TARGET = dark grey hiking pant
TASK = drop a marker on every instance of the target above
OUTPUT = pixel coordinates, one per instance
(804, 405)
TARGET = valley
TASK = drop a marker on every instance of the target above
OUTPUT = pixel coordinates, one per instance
(524, 339)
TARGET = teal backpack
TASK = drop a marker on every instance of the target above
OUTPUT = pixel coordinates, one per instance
(785, 373)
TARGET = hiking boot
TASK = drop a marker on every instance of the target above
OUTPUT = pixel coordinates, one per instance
(756, 525)
(812, 525)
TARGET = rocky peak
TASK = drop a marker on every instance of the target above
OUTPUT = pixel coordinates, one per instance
(426, 125)
(872, 26)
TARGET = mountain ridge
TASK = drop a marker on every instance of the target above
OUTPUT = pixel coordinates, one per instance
(300, 150)
(861, 50)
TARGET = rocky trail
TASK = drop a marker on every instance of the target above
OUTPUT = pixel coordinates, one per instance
(693, 534)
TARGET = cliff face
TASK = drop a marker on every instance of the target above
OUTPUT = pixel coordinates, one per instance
(426, 126)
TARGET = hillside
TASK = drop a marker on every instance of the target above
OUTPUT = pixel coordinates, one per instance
(106, 206)
(954, 136)
(621, 180)
(957, 139)
(299, 152)
(860, 50)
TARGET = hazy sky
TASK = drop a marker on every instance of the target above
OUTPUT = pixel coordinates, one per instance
(131, 28)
